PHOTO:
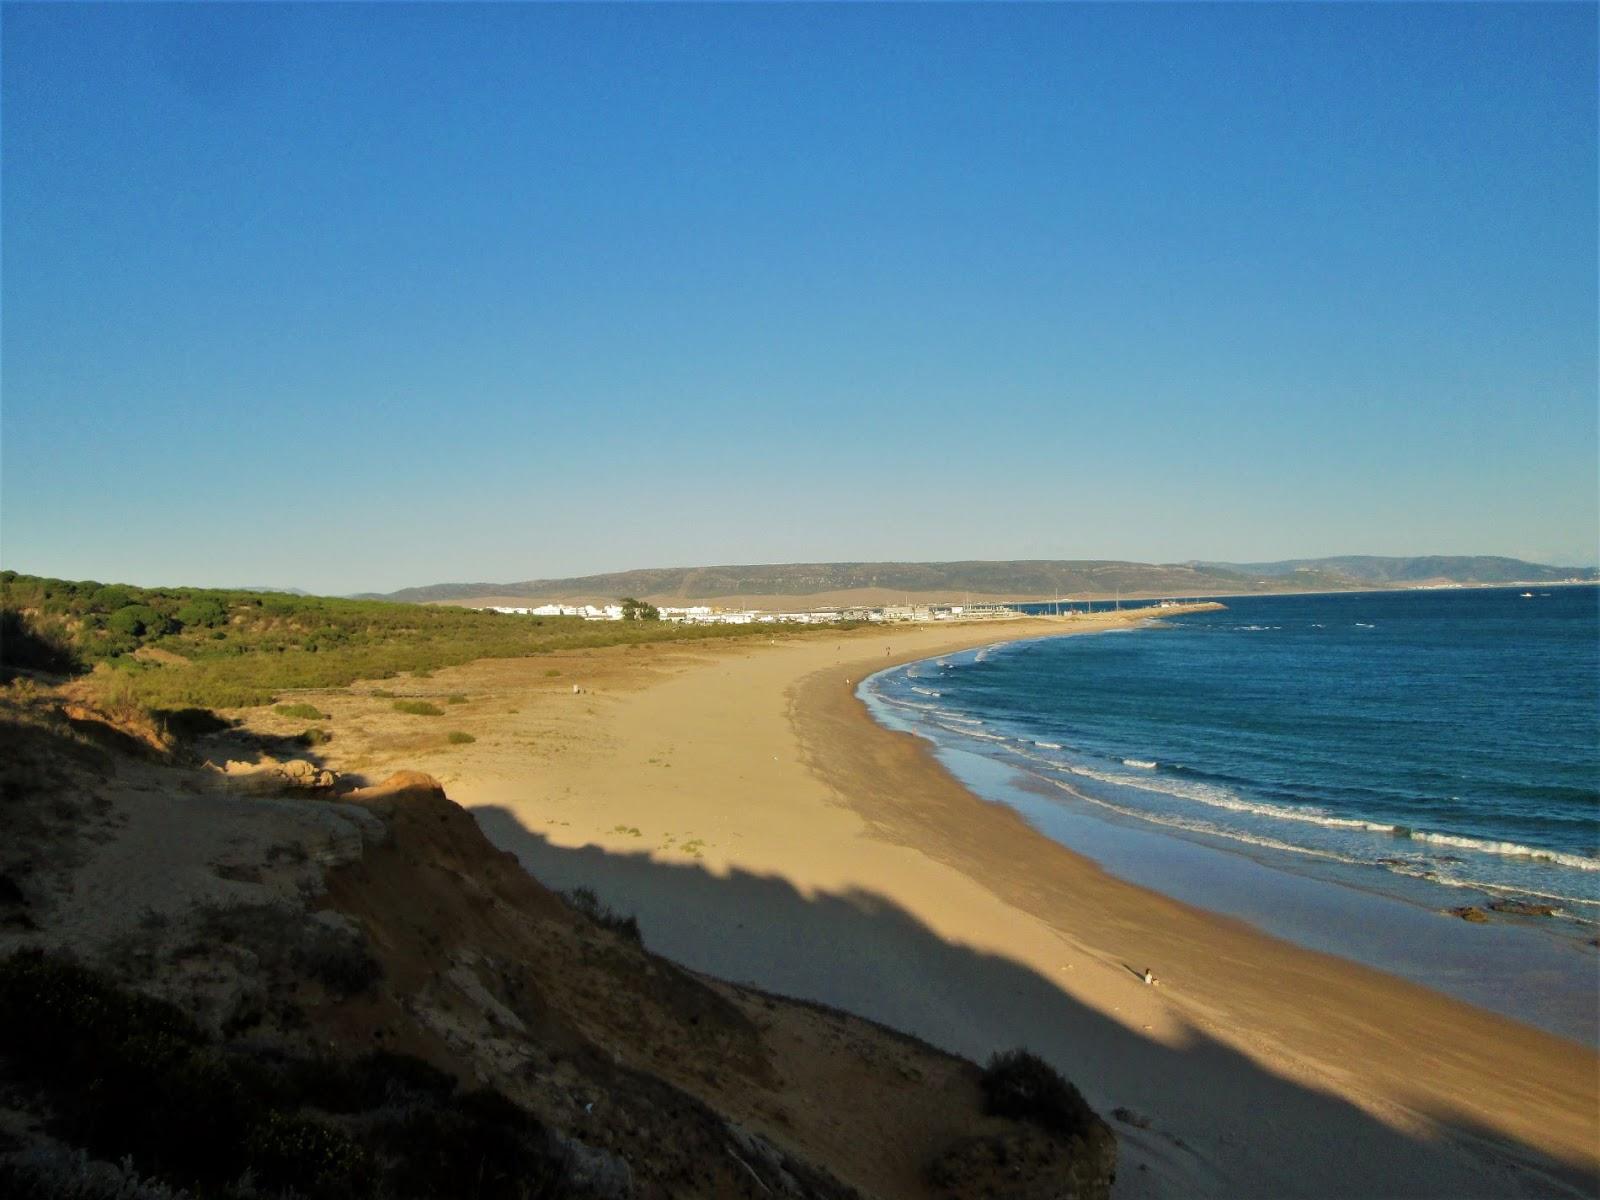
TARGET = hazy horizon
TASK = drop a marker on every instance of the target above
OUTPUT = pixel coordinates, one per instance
(356, 298)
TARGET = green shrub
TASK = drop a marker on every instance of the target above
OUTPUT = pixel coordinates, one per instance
(202, 613)
(127, 1074)
(314, 737)
(306, 712)
(418, 708)
(1021, 1085)
(349, 1085)
(110, 598)
(590, 905)
(130, 1079)
(477, 1147)
(292, 1151)
(458, 698)
(457, 738)
(281, 940)
(341, 964)
(27, 645)
(191, 722)
(138, 620)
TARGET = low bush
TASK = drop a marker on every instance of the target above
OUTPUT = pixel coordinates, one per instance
(590, 905)
(457, 699)
(139, 620)
(282, 940)
(191, 722)
(418, 708)
(202, 613)
(132, 1080)
(478, 1146)
(291, 1151)
(351, 1085)
(313, 737)
(31, 646)
(457, 738)
(305, 712)
(1021, 1085)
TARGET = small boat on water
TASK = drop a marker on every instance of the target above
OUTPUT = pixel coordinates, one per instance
(1527, 595)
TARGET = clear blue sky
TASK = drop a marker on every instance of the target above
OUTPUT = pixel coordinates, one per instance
(354, 297)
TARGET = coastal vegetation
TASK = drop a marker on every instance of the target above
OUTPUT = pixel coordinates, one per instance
(585, 901)
(1021, 1085)
(171, 649)
(638, 610)
(308, 712)
(129, 1077)
(418, 708)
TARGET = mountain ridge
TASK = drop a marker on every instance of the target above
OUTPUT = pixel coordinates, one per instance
(1005, 579)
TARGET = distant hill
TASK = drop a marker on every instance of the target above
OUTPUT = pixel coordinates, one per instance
(882, 582)
(1435, 568)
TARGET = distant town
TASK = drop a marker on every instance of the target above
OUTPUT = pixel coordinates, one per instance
(701, 614)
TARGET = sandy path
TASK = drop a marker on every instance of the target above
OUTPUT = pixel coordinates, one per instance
(740, 800)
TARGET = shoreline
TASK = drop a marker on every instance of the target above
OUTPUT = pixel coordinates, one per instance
(1394, 924)
(764, 827)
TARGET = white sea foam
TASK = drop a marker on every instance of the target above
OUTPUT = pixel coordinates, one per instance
(897, 702)
(1220, 798)
(922, 691)
(1207, 827)
(1578, 862)
(1215, 797)
(1509, 889)
(973, 733)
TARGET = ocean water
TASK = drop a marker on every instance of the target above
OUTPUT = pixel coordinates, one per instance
(1435, 748)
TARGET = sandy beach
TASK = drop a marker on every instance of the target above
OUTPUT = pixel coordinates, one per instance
(740, 799)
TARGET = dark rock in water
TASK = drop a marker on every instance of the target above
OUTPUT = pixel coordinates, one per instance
(1128, 1117)
(1400, 831)
(1520, 908)
(1469, 912)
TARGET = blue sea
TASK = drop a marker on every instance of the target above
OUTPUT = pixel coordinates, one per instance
(1426, 748)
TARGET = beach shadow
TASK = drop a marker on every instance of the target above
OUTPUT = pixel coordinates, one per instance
(1195, 1117)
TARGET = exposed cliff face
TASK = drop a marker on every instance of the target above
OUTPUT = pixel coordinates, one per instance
(382, 919)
